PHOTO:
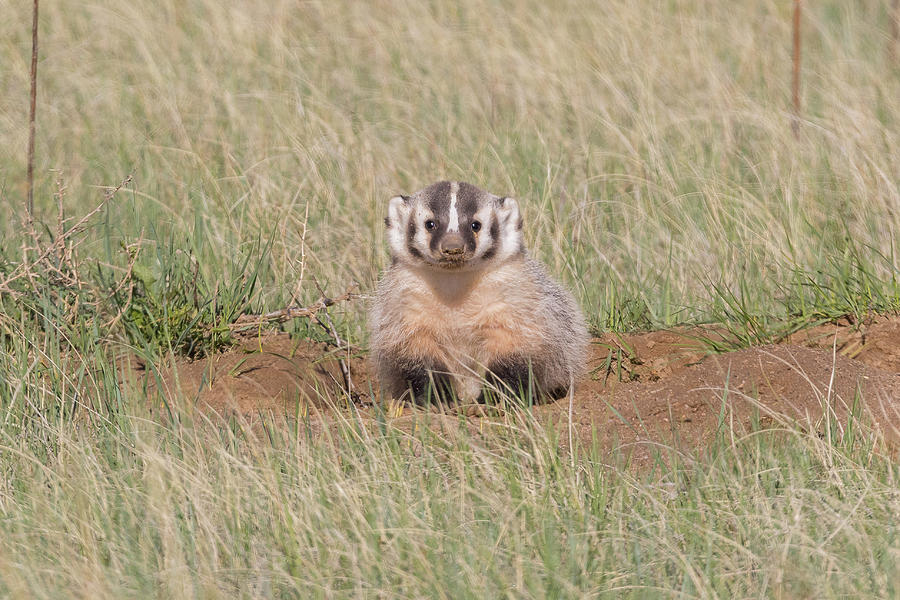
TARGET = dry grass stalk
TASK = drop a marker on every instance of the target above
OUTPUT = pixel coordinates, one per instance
(328, 325)
(895, 31)
(30, 168)
(795, 82)
(133, 250)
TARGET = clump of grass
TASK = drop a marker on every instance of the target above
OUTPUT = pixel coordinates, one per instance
(849, 286)
(169, 306)
(161, 305)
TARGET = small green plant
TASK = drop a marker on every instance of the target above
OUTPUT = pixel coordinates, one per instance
(172, 308)
(852, 284)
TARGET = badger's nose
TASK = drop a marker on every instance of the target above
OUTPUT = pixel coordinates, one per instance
(452, 244)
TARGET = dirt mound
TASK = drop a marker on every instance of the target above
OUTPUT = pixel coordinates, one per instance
(874, 342)
(267, 373)
(767, 385)
(645, 389)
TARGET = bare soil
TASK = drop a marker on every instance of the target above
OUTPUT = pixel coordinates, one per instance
(646, 391)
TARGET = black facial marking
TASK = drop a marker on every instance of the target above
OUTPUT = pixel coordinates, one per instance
(387, 222)
(437, 197)
(495, 230)
(411, 231)
(467, 200)
(520, 223)
(436, 234)
(489, 253)
(414, 251)
(469, 237)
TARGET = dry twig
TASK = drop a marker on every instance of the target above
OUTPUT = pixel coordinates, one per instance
(245, 322)
(345, 368)
(57, 248)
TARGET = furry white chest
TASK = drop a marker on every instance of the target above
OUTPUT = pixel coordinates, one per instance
(464, 318)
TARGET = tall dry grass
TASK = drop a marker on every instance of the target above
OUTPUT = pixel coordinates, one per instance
(650, 143)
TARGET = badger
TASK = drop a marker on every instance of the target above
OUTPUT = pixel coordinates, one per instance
(463, 308)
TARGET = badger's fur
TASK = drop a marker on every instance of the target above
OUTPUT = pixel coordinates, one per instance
(463, 304)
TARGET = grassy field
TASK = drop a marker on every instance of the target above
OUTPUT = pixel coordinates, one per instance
(650, 147)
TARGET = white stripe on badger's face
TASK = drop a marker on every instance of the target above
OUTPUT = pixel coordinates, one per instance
(510, 232)
(453, 223)
(398, 211)
(483, 240)
(422, 236)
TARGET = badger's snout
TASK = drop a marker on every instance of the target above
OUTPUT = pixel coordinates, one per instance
(452, 244)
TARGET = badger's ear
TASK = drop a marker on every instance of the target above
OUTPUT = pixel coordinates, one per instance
(398, 210)
(508, 210)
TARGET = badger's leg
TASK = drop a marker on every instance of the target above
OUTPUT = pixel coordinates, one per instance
(523, 377)
(427, 382)
(511, 375)
(518, 362)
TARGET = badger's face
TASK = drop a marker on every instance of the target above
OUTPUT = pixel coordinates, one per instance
(453, 225)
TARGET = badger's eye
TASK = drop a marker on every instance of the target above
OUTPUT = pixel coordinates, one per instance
(476, 226)
(429, 225)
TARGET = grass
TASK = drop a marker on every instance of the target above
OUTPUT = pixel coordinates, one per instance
(136, 508)
(651, 150)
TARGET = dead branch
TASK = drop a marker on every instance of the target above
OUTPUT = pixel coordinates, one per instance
(58, 246)
(245, 322)
(313, 311)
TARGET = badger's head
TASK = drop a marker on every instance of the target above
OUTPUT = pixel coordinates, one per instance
(453, 225)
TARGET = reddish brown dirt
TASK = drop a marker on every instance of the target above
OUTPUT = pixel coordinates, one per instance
(874, 342)
(273, 373)
(646, 391)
